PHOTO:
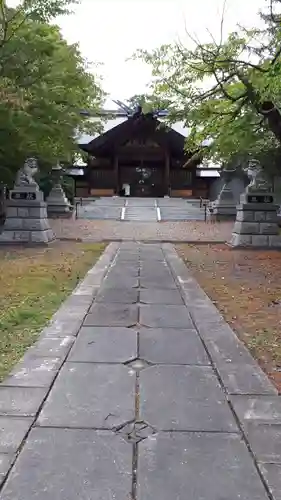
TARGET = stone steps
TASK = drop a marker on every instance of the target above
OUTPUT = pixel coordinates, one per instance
(187, 212)
(140, 214)
(141, 210)
(99, 212)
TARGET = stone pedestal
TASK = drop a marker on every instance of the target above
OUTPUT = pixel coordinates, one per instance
(26, 219)
(256, 222)
(224, 207)
(57, 202)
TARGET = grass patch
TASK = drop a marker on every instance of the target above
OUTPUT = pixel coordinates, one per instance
(245, 285)
(33, 284)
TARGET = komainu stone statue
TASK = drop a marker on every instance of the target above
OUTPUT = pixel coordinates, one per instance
(26, 217)
(26, 173)
(256, 222)
(258, 181)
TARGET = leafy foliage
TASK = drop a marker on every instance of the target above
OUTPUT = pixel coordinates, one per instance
(44, 83)
(37, 10)
(148, 103)
(225, 91)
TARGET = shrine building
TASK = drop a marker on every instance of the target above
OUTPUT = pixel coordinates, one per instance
(145, 154)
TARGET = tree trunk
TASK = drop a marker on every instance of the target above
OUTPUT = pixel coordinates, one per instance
(272, 117)
(267, 109)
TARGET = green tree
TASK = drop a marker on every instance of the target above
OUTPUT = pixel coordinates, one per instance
(44, 83)
(225, 91)
(148, 102)
(38, 10)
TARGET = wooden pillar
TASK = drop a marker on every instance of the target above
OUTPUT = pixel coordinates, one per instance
(89, 175)
(116, 173)
(167, 172)
(194, 180)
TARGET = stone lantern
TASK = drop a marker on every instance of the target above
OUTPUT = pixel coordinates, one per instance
(224, 207)
(57, 202)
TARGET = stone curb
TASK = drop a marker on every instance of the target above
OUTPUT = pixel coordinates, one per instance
(24, 391)
(158, 241)
(138, 240)
(251, 248)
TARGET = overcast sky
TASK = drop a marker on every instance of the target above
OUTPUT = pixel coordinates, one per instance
(109, 31)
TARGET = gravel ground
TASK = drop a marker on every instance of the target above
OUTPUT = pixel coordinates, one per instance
(95, 230)
(246, 287)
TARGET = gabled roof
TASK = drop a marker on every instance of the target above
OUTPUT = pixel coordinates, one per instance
(132, 127)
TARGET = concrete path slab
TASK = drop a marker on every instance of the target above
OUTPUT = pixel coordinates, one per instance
(272, 474)
(64, 464)
(112, 315)
(121, 268)
(105, 345)
(197, 466)
(153, 281)
(164, 297)
(12, 432)
(96, 396)
(123, 281)
(36, 372)
(21, 401)
(138, 390)
(195, 399)
(52, 347)
(118, 295)
(265, 441)
(168, 346)
(157, 316)
(156, 273)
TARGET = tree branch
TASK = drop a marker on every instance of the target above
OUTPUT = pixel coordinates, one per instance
(175, 89)
(224, 91)
(3, 20)
(275, 19)
(278, 53)
(244, 63)
(251, 93)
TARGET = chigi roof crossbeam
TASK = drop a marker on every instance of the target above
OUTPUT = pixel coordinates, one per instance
(123, 111)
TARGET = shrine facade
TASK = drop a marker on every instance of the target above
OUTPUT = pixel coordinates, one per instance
(145, 155)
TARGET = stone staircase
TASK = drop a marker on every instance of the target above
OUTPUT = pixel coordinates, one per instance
(141, 209)
(140, 214)
(100, 210)
(180, 210)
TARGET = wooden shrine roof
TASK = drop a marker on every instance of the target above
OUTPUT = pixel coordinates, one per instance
(136, 126)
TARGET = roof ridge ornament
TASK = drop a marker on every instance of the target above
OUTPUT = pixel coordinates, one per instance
(123, 107)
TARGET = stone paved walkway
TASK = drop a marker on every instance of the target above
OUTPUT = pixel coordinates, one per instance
(138, 390)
